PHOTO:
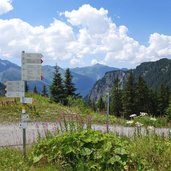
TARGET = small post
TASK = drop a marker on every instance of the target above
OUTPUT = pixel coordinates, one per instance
(24, 142)
(107, 114)
(24, 129)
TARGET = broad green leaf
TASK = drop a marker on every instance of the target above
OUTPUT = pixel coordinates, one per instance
(37, 158)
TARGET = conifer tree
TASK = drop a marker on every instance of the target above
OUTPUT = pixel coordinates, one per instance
(163, 99)
(2, 89)
(68, 85)
(142, 96)
(35, 90)
(57, 87)
(116, 98)
(129, 106)
(44, 91)
(100, 104)
(168, 110)
(153, 103)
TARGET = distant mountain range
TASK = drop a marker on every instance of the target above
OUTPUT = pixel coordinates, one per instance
(154, 73)
(83, 77)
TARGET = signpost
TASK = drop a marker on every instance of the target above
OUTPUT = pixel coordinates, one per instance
(30, 70)
(15, 89)
(31, 66)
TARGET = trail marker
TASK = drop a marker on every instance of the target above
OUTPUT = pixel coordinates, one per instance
(31, 66)
(15, 88)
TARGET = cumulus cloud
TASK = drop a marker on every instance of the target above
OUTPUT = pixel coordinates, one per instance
(87, 32)
(51, 41)
(5, 6)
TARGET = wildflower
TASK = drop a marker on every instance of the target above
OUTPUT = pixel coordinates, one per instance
(129, 122)
(150, 128)
(138, 124)
(133, 115)
(143, 114)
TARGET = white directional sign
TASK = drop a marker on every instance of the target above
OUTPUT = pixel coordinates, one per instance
(24, 118)
(26, 100)
(31, 66)
(15, 89)
(23, 125)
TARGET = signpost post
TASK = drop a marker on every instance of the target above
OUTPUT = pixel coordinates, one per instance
(30, 70)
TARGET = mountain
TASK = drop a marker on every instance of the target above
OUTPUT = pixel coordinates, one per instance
(9, 71)
(83, 78)
(94, 72)
(154, 73)
(89, 75)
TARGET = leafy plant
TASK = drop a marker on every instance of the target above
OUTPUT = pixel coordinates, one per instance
(88, 149)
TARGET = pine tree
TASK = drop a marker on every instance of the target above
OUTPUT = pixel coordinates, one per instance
(116, 98)
(168, 110)
(163, 99)
(57, 87)
(153, 103)
(44, 91)
(35, 90)
(142, 96)
(129, 106)
(100, 104)
(2, 89)
(68, 85)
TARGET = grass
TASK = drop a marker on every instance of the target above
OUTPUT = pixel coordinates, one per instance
(151, 153)
(44, 110)
(140, 153)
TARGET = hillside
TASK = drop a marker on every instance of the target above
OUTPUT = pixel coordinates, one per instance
(44, 110)
(154, 73)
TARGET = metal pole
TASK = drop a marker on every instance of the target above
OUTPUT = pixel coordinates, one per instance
(107, 114)
(24, 129)
(24, 142)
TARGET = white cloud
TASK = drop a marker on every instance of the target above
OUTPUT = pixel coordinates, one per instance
(95, 21)
(88, 32)
(51, 41)
(5, 6)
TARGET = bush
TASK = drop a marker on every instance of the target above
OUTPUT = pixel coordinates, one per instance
(86, 150)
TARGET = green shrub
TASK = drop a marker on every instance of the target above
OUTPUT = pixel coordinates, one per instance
(150, 121)
(86, 150)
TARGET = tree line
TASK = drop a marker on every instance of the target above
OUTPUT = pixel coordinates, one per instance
(135, 97)
(61, 89)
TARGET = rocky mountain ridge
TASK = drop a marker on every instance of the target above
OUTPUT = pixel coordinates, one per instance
(154, 73)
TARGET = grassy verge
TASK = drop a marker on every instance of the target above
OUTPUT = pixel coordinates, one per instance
(91, 150)
(44, 110)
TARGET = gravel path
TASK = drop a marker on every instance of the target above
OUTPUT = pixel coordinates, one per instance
(11, 134)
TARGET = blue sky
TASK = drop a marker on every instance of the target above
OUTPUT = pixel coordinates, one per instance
(119, 33)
